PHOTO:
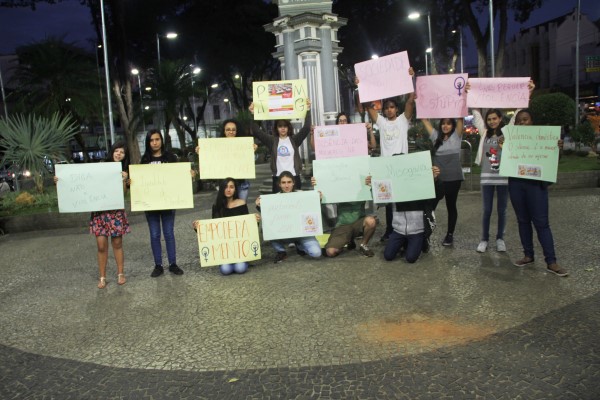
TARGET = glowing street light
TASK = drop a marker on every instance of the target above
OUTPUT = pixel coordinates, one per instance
(136, 72)
(169, 35)
(416, 15)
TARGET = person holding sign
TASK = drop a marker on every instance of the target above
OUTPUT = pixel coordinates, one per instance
(352, 222)
(529, 198)
(393, 136)
(157, 154)
(447, 140)
(230, 129)
(228, 204)
(488, 156)
(111, 223)
(304, 245)
(410, 227)
(284, 146)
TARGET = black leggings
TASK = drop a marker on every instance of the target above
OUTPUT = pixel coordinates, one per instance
(450, 192)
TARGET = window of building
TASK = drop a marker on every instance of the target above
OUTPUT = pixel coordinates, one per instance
(216, 112)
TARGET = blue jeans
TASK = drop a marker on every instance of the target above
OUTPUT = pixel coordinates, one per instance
(310, 245)
(530, 201)
(238, 268)
(487, 192)
(414, 244)
(154, 219)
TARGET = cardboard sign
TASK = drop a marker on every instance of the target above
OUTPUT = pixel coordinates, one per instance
(291, 215)
(384, 77)
(335, 141)
(402, 178)
(89, 187)
(161, 186)
(342, 180)
(498, 93)
(227, 157)
(228, 240)
(442, 96)
(530, 152)
(280, 99)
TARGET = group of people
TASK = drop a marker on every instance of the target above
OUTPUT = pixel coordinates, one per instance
(408, 224)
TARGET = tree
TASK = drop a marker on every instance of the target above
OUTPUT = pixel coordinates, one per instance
(584, 134)
(552, 109)
(54, 76)
(30, 140)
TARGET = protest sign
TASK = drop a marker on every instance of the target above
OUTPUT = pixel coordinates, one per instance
(384, 77)
(228, 240)
(402, 178)
(441, 96)
(291, 215)
(334, 141)
(161, 186)
(280, 99)
(342, 180)
(498, 93)
(89, 187)
(530, 152)
(227, 157)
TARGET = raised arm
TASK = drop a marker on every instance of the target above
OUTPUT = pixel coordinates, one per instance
(427, 125)
(299, 138)
(409, 107)
(460, 124)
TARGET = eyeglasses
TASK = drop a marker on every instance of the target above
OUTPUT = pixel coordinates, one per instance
(342, 120)
(230, 130)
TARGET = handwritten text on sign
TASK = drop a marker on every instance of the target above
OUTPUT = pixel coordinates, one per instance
(280, 99)
(226, 157)
(228, 240)
(402, 178)
(384, 77)
(498, 92)
(342, 180)
(442, 96)
(161, 186)
(291, 215)
(530, 152)
(89, 187)
(334, 141)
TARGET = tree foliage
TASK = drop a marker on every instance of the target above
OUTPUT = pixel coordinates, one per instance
(553, 109)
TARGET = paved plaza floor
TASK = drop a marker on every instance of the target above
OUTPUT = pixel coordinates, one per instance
(456, 324)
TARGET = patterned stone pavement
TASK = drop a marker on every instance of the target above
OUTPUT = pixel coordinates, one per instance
(457, 324)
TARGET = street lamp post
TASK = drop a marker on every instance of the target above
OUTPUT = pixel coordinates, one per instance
(229, 104)
(106, 75)
(428, 51)
(416, 15)
(492, 56)
(195, 71)
(136, 72)
(169, 35)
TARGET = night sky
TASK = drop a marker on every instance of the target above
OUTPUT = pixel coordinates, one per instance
(22, 26)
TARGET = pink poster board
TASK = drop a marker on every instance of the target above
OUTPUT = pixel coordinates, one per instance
(498, 93)
(384, 77)
(442, 96)
(337, 141)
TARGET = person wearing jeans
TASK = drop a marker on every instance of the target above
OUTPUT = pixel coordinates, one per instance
(156, 154)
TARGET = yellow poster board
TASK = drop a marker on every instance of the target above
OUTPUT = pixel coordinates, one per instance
(280, 99)
(227, 157)
(228, 240)
(161, 186)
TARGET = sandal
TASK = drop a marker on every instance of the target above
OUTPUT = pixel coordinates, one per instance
(121, 279)
(102, 283)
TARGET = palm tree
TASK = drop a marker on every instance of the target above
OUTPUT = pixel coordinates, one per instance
(29, 141)
(174, 86)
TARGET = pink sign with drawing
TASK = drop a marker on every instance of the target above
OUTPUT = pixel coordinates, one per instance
(442, 96)
(336, 141)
